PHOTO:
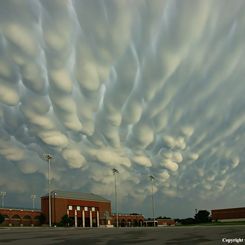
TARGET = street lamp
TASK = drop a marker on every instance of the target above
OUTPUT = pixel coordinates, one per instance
(115, 172)
(33, 197)
(152, 178)
(3, 194)
(48, 158)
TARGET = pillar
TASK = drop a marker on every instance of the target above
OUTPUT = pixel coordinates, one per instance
(21, 221)
(75, 218)
(32, 220)
(98, 219)
(83, 216)
(90, 217)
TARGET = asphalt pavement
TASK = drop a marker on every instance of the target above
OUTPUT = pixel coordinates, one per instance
(118, 236)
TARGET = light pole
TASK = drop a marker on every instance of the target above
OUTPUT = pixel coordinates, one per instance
(152, 198)
(48, 158)
(33, 197)
(54, 213)
(3, 194)
(115, 172)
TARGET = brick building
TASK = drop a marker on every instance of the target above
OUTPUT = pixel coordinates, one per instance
(165, 222)
(20, 216)
(128, 220)
(228, 214)
(86, 209)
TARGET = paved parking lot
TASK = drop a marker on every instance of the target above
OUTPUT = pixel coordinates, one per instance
(109, 236)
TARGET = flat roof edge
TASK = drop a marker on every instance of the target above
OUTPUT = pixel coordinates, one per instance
(78, 199)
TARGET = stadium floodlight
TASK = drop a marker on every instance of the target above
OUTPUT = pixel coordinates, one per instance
(115, 172)
(152, 178)
(3, 194)
(48, 158)
(33, 197)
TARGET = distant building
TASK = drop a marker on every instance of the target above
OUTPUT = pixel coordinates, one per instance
(159, 222)
(228, 214)
(150, 222)
(128, 220)
(20, 216)
(165, 222)
(86, 209)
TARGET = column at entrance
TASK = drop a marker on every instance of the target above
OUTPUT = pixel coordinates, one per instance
(90, 218)
(75, 218)
(98, 219)
(83, 217)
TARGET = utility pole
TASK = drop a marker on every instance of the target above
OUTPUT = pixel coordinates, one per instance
(3, 194)
(115, 172)
(48, 158)
(152, 178)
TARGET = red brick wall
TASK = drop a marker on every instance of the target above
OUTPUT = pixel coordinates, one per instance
(60, 206)
(22, 213)
(230, 213)
(128, 220)
(165, 222)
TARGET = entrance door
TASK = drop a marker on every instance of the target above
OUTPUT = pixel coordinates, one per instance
(94, 222)
(87, 222)
(79, 221)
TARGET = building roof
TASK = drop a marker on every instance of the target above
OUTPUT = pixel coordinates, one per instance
(228, 209)
(127, 214)
(20, 208)
(78, 196)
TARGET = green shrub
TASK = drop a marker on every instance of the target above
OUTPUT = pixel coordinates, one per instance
(2, 218)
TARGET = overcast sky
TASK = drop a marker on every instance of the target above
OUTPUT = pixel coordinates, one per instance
(148, 87)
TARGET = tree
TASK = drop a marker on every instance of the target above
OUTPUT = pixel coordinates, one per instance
(41, 219)
(202, 216)
(163, 217)
(188, 221)
(106, 217)
(2, 218)
(66, 221)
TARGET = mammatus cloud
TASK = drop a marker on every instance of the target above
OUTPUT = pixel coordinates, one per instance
(147, 87)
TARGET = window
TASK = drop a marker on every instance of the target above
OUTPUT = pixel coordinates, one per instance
(85, 208)
(70, 207)
(93, 208)
(78, 208)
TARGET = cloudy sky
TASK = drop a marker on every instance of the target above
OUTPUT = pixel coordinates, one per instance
(148, 87)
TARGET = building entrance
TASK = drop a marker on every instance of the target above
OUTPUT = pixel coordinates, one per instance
(87, 222)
